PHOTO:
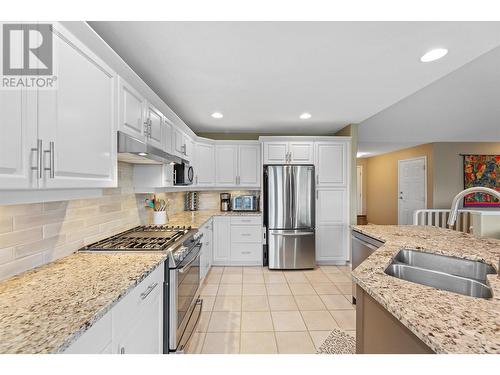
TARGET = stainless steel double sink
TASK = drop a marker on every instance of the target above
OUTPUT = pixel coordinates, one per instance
(448, 273)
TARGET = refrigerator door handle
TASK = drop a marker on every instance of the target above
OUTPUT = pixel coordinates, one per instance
(291, 234)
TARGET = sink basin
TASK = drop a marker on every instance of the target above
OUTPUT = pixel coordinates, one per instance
(470, 269)
(440, 280)
(452, 274)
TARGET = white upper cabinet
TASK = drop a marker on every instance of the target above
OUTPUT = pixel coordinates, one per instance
(167, 135)
(301, 152)
(249, 166)
(275, 152)
(226, 165)
(155, 126)
(331, 164)
(76, 121)
(131, 110)
(237, 164)
(284, 152)
(182, 144)
(205, 164)
(18, 140)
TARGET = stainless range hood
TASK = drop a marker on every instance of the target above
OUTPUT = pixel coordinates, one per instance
(134, 151)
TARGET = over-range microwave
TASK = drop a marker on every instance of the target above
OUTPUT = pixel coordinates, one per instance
(183, 174)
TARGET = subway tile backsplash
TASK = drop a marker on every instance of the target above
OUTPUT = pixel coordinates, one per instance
(35, 234)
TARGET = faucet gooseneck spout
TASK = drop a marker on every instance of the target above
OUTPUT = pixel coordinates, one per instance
(458, 198)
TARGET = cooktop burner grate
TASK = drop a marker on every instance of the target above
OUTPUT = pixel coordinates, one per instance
(145, 237)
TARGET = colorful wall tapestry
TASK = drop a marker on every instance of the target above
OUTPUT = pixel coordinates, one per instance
(481, 170)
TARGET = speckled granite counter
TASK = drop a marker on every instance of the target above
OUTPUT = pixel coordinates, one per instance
(46, 309)
(197, 218)
(445, 321)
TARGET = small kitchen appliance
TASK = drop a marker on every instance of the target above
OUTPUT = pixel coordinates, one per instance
(245, 203)
(225, 202)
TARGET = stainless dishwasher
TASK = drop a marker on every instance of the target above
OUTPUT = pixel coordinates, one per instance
(362, 246)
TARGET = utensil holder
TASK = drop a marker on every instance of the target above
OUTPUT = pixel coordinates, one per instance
(159, 217)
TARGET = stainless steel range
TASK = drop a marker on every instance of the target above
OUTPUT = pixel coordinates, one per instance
(181, 302)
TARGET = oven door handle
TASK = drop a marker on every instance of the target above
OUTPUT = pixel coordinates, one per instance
(187, 267)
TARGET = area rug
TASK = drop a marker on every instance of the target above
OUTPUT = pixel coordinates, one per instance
(338, 342)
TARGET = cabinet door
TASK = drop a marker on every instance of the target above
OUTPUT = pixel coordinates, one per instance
(131, 110)
(221, 240)
(301, 152)
(178, 142)
(275, 152)
(226, 163)
(331, 164)
(205, 164)
(155, 123)
(18, 136)
(331, 244)
(96, 340)
(331, 206)
(249, 165)
(145, 334)
(76, 121)
(167, 135)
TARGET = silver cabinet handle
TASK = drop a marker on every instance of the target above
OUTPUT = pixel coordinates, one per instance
(39, 159)
(50, 151)
(196, 180)
(245, 234)
(317, 194)
(146, 127)
(148, 291)
(317, 179)
(245, 252)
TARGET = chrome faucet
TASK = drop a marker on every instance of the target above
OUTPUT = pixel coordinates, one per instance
(458, 198)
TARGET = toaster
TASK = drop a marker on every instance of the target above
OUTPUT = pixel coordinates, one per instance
(245, 203)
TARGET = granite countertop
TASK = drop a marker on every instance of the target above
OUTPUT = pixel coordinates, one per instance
(446, 322)
(196, 219)
(46, 309)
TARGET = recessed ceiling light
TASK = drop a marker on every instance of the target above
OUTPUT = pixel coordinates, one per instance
(305, 116)
(434, 54)
(217, 115)
(142, 154)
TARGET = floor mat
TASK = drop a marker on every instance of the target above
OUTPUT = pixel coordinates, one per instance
(338, 342)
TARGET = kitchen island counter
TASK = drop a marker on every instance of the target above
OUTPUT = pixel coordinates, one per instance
(446, 322)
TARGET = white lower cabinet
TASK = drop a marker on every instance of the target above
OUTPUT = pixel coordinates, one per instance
(332, 213)
(133, 326)
(222, 240)
(237, 241)
(206, 249)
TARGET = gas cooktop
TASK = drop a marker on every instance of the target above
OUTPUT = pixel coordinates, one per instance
(142, 238)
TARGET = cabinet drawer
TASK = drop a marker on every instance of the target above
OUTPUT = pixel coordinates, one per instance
(128, 310)
(246, 220)
(97, 339)
(246, 234)
(246, 253)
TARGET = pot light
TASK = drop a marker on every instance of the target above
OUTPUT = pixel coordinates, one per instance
(142, 154)
(434, 54)
(217, 115)
(305, 116)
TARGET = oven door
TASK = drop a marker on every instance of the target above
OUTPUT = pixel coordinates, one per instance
(184, 300)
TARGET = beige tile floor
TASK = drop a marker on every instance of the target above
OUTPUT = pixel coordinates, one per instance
(255, 310)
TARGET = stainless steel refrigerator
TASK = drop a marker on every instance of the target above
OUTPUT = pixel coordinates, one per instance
(289, 209)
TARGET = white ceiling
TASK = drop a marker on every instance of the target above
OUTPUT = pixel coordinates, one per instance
(262, 75)
(462, 106)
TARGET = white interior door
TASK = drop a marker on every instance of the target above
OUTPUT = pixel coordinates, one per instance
(412, 189)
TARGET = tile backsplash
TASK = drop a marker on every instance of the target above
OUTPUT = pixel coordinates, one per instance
(38, 233)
